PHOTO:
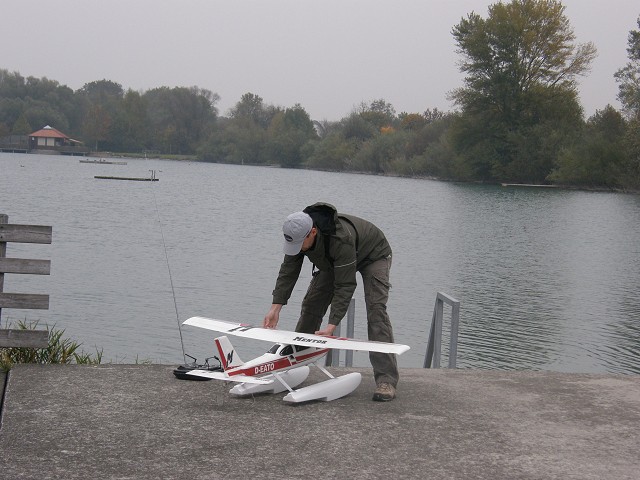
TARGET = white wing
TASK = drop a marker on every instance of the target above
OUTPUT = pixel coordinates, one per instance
(294, 338)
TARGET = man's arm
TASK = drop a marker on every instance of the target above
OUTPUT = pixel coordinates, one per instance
(327, 331)
(287, 278)
(272, 316)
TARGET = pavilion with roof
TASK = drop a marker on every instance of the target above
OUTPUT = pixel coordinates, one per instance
(49, 138)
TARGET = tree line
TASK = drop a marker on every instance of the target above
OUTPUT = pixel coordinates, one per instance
(105, 116)
(517, 119)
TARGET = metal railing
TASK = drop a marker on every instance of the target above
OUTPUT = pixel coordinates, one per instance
(434, 346)
(333, 357)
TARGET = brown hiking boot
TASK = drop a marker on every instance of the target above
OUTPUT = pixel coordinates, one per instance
(385, 392)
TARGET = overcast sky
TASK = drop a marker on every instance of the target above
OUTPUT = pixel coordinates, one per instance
(327, 55)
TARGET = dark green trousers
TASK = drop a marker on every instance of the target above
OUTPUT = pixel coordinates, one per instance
(375, 278)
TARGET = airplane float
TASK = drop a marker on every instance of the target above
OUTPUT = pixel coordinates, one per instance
(285, 365)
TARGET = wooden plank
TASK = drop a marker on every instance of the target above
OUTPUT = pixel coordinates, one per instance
(24, 300)
(25, 233)
(24, 338)
(24, 265)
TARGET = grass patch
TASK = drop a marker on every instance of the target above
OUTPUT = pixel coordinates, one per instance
(60, 350)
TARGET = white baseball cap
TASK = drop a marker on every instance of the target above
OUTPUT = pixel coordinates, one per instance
(296, 228)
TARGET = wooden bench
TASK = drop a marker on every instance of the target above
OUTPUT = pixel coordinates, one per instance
(22, 234)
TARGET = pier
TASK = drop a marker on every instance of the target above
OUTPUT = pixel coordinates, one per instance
(151, 178)
(529, 185)
(135, 179)
(140, 422)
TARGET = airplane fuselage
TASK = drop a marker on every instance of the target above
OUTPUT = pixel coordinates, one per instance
(279, 358)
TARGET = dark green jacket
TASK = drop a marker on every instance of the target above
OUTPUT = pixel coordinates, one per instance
(342, 258)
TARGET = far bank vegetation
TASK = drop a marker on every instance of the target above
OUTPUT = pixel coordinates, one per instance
(518, 118)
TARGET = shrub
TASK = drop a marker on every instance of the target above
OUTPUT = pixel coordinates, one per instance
(60, 350)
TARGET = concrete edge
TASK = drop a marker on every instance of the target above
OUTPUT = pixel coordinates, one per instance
(4, 379)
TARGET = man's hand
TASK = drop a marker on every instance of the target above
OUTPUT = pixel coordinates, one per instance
(272, 316)
(327, 331)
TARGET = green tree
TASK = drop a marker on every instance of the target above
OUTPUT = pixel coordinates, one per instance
(243, 137)
(102, 91)
(22, 126)
(231, 142)
(288, 133)
(379, 154)
(12, 84)
(325, 127)
(101, 104)
(411, 121)
(428, 150)
(48, 102)
(355, 127)
(596, 158)
(432, 115)
(521, 65)
(251, 109)
(129, 127)
(179, 118)
(96, 125)
(41, 101)
(631, 171)
(41, 113)
(332, 152)
(628, 77)
(11, 109)
(378, 113)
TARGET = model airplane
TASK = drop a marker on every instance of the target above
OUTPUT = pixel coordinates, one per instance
(285, 365)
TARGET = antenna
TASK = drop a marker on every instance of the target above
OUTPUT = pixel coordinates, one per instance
(166, 256)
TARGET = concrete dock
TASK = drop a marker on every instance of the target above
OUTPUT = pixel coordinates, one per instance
(140, 422)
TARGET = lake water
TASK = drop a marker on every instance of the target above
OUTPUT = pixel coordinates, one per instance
(547, 279)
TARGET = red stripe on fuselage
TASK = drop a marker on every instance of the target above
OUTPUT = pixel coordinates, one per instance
(263, 368)
(276, 365)
(317, 353)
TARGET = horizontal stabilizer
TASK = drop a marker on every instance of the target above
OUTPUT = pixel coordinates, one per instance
(230, 378)
(292, 378)
(294, 338)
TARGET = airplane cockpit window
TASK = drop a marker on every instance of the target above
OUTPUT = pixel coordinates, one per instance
(300, 348)
(275, 348)
(288, 350)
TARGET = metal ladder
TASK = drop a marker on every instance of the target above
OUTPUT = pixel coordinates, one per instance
(432, 357)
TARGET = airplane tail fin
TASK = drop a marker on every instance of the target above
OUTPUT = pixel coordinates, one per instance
(228, 356)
